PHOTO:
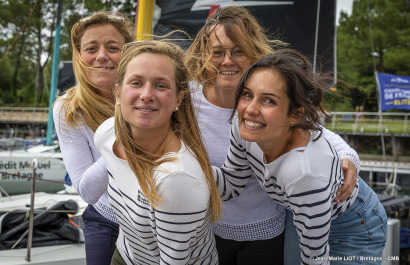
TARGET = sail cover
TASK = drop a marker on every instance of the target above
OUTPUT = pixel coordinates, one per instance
(294, 22)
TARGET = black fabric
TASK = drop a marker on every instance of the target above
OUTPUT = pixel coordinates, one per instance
(50, 228)
(261, 252)
(294, 23)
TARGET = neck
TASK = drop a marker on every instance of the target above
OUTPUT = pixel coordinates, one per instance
(224, 98)
(153, 142)
(298, 137)
(276, 150)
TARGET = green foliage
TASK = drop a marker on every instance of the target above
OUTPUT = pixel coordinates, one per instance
(357, 60)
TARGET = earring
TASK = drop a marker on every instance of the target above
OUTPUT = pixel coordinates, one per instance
(176, 108)
(118, 102)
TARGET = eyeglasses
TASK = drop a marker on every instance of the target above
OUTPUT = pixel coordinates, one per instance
(109, 16)
(129, 44)
(218, 55)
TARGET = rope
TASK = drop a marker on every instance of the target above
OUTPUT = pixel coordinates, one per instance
(18, 34)
(28, 177)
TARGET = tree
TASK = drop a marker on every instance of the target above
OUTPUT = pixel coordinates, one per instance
(390, 29)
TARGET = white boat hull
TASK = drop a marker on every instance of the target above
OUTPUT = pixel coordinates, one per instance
(15, 171)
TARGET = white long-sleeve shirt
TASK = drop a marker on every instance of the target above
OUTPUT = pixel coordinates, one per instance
(83, 162)
(178, 230)
(246, 217)
(304, 182)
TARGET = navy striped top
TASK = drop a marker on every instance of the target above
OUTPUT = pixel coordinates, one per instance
(304, 182)
(178, 230)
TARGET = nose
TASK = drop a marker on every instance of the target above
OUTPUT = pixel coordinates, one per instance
(147, 93)
(102, 54)
(252, 108)
(227, 60)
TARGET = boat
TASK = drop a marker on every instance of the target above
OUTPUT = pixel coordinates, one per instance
(58, 251)
(16, 173)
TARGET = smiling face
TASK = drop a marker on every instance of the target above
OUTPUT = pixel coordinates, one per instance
(100, 49)
(263, 109)
(229, 71)
(148, 94)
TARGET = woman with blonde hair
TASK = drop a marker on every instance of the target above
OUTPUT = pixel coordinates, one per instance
(97, 41)
(161, 185)
(250, 230)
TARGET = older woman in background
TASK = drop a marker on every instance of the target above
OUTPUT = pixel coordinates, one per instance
(97, 41)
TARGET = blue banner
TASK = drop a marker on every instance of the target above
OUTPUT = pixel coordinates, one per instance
(394, 91)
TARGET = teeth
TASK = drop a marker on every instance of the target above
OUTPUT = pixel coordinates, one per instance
(252, 124)
(149, 110)
(227, 73)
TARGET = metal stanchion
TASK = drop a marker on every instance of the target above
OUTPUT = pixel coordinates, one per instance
(34, 164)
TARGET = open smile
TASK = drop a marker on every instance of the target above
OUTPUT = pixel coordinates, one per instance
(253, 124)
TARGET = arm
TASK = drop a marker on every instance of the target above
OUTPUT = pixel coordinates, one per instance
(232, 177)
(83, 162)
(350, 163)
(182, 218)
(312, 214)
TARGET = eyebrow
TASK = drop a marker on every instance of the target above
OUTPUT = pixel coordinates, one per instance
(265, 94)
(156, 78)
(95, 42)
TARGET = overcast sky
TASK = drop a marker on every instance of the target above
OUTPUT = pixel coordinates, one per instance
(343, 5)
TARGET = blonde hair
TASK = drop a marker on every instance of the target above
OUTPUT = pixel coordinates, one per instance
(242, 29)
(84, 103)
(183, 123)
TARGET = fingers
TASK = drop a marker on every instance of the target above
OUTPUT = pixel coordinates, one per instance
(350, 174)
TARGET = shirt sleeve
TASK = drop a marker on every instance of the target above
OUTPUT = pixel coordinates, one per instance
(309, 198)
(87, 170)
(181, 217)
(232, 177)
(342, 148)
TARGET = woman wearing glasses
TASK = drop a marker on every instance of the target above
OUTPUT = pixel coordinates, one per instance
(97, 41)
(250, 230)
(160, 179)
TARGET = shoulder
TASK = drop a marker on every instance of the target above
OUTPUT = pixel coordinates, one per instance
(182, 192)
(58, 104)
(104, 132)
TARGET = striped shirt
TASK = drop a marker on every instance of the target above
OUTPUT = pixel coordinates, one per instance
(304, 182)
(178, 230)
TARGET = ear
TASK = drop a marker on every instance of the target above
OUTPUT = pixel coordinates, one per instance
(297, 115)
(180, 97)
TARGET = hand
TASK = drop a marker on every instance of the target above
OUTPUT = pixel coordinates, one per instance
(350, 174)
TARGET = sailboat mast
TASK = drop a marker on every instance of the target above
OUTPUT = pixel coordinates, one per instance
(54, 74)
(143, 20)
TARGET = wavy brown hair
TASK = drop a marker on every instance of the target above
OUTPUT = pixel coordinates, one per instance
(183, 123)
(242, 29)
(304, 87)
(84, 103)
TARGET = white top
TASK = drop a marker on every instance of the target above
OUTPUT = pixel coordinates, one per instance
(245, 217)
(178, 230)
(83, 162)
(305, 182)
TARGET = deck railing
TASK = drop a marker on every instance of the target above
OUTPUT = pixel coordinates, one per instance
(23, 114)
(369, 122)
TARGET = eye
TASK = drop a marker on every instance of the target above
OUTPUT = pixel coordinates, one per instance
(90, 49)
(237, 52)
(246, 94)
(217, 53)
(270, 101)
(161, 86)
(136, 83)
(114, 49)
